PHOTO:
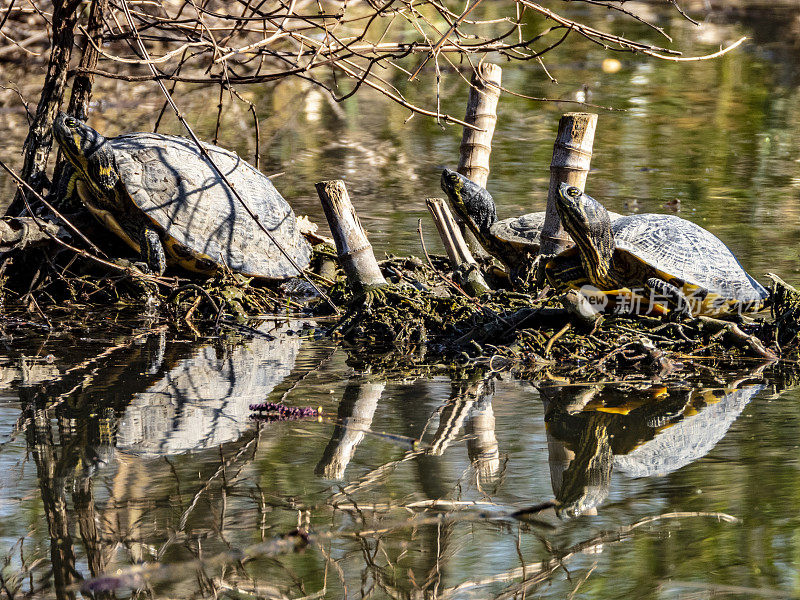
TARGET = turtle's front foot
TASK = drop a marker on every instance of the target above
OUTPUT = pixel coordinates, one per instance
(141, 285)
(674, 298)
(152, 250)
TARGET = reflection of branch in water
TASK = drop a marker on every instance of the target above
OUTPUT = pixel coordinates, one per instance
(127, 507)
(531, 573)
(373, 478)
(354, 418)
(50, 471)
(537, 572)
(316, 369)
(470, 408)
(418, 505)
(77, 378)
(84, 506)
(453, 414)
(13, 576)
(220, 472)
(482, 443)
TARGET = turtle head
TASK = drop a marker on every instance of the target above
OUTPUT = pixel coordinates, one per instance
(87, 151)
(472, 202)
(78, 141)
(585, 500)
(589, 226)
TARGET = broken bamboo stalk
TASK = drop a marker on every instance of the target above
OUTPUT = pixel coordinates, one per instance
(476, 144)
(352, 246)
(572, 156)
(465, 268)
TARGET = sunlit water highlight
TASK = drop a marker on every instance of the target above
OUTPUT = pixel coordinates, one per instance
(147, 454)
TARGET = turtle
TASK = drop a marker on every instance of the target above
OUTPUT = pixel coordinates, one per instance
(162, 197)
(195, 397)
(514, 241)
(657, 262)
(654, 438)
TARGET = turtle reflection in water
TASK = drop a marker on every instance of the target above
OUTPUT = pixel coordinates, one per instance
(203, 400)
(161, 196)
(159, 398)
(650, 438)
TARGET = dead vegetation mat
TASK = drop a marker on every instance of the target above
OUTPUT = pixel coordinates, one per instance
(421, 321)
(49, 282)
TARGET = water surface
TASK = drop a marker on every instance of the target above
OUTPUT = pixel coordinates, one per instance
(122, 450)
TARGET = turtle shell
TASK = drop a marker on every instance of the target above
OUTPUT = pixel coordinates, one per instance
(203, 223)
(688, 256)
(521, 231)
(688, 440)
(525, 231)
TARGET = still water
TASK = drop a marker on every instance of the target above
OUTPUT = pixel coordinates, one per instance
(144, 454)
(129, 459)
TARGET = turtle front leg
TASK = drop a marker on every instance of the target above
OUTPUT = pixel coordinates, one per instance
(138, 231)
(152, 250)
(676, 299)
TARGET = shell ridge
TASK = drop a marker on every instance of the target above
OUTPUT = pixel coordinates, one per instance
(686, 251)
(168, 179)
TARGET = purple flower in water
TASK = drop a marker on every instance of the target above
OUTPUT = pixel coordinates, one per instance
(272, 411)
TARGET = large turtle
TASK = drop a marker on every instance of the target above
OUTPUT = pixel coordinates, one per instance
(652, 439)
(662, 261)
(514, 241)
(158, 192)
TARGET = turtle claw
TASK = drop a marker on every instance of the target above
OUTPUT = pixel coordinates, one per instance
(143, 286)
(676, 300)
(678, 316)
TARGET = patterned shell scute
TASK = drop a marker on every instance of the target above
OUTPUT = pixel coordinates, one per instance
(524, 230)
(689, 439)
(168, 179)
(687, 251)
